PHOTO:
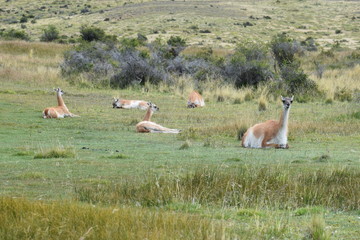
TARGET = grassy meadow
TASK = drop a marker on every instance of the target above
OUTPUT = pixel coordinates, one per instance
(94, 177)
(198, 184)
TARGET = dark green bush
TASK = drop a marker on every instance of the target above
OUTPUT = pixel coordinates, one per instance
(23, 19)
(248, 66)
(176, 41)
(50, 34)
(91, 33)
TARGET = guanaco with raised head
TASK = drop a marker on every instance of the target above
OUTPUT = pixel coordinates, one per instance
(128, 104)
(61, 110)
(270, 133)
(146, 126)
(195, 100)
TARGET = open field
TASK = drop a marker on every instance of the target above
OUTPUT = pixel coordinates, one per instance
(201, 22)
(94, 177)
(58, 163)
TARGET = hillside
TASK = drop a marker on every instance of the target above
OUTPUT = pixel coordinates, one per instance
(201, 22)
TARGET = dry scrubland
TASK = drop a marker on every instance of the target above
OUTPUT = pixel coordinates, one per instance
(212, 23)
(93, 177)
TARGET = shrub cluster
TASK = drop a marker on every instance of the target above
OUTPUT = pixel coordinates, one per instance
(14, 34)
(129, 61)
(292, 77)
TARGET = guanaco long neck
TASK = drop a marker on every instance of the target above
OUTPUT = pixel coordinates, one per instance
(148, 114)
(60, 100)
(284, 119)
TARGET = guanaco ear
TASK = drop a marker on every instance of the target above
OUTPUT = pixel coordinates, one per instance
(292, 98)
(282, 98)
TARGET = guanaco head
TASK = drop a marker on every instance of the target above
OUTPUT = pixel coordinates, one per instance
(287, 101)
(153, 107)
(59, 91)
(116, 103)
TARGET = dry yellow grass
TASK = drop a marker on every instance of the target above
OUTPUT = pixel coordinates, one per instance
(35, 64)
(335, 79)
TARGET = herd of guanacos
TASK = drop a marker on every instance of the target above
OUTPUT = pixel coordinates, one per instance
(271, 133)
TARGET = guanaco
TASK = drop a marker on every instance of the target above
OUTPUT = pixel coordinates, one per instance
(146, 126)
(127, 104)
(61, 110)
(270, 133)
(195, 100)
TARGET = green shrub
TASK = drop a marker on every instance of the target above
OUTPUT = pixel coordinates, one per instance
(91, 33)
(284, 49)
(248, 66)
(297, 82)
(50, 34)
(176, 41)
(15, 34)
(23, 19)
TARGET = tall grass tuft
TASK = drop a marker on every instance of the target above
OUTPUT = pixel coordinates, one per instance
(317, 229)
(262, 103)
(246, 187)
(58, 152)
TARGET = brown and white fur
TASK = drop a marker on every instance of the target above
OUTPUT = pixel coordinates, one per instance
(270, 133)
(128, 104)
(146, 126)
(61, 110)
(195, 100)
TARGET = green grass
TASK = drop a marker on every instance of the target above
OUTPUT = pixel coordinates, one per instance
(95, 177)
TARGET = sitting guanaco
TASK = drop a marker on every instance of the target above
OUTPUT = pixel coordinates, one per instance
(270, 133)
(146, 126)
(61, 110)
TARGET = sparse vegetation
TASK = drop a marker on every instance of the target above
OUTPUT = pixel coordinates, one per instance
(14, 34)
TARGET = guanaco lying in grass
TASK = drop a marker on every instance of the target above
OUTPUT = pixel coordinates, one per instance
(195, 100)
(270, 133)
(146, 126)
(61, 110)
(128, 104)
